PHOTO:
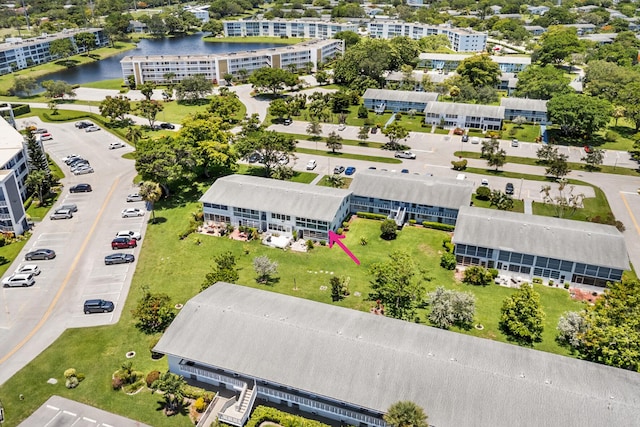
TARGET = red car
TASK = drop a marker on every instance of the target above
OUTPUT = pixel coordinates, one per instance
(123, 243)
(587, 149)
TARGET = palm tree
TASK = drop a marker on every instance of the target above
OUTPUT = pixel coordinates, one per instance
(335, 180)
(133, 135)
(151, 193)
(172, 385)
(405, 414)
(36, 181)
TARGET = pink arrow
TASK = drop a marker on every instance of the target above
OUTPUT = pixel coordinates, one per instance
(335, 238)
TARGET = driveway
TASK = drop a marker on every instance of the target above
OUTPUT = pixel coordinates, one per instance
(33, 318)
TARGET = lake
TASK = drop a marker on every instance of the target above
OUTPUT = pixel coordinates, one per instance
(109, 68)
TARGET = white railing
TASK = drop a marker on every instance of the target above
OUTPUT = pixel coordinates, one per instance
(212, 375)
(207, 412)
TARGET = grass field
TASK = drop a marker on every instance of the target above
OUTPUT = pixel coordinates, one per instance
(177, 267)
(116, 84)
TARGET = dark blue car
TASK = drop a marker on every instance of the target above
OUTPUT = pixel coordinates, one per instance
(350, 170)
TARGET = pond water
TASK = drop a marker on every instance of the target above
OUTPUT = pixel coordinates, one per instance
(109, 68)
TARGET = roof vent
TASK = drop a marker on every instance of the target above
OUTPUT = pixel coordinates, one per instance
(430, 354)
(521, 374)
(547, 381)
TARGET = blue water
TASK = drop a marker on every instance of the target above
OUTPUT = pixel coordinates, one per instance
(109, 68)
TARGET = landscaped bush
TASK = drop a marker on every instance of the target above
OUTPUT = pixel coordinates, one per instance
(200, 405)
(611, 136)
(368, 215)
(20, 109)
(71, 372)
(72, 382)
(438, 226)
(263, 413)
(388, 229)
(323, 243)
(193, 392)
(309, 245)
(116, 383)
(151, 377)
(363, 241)
(459, 165)
(448, 261)
(566, 285)
(483, 193)
(477, 276)
(494, 272)
(193, 226)
(340, 231)
(412, 222)
(537, 280)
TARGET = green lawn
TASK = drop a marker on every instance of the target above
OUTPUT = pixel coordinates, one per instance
(413, 124)
(527, 133)
(10, 252)
(177, 267)
(339, 155)
(325, 183)
(117, 84)
(518, 205)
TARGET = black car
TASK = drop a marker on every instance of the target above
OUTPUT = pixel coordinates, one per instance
(287, 122)
(98, 306)
(338, 169)
(82, 124)
(465, 138)
(167, 126)
(509, 188)
(374, 129)
(40, 254)
(118, 258)
(81, 188)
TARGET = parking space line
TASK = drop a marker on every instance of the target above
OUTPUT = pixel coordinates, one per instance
(68, 277)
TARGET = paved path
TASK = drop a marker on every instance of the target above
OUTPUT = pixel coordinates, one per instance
(528, 206)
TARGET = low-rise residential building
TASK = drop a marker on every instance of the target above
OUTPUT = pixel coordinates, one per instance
(508, 82)
(200, 12)
(535, 30)
(453, 114)
(534, 110)
(405, 197)
(450, 62)
(528, 246)
(13, 176)
(350, 366)
(462, 39)
(313, 29)
(537, 10)
(17, 53)
(275, 206)
(215, 66)
(600, 38)
(397, 100)
(137, 27)
(582, 29)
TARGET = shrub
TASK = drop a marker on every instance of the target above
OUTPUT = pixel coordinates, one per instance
(412, 222)
(368, 215)
(151, 377)
(566, 285)
(449, 247)
(551, 282)
(438, 226)
(323, 243)
(448, 261)
(388, 229)
(81, 377)
(71, 382)
(200, 405)
(537, 280)
(459, 165)
(193, 226)
(263, 413)
(309, 245)
(295, 234)
(340, 231)
(116, 383)
(494, 272)
(611, 136)
(363, 113)
(477, 276)
(71, 372)
(483, 193)
(20, 109)
(513, 131)
(363, 241)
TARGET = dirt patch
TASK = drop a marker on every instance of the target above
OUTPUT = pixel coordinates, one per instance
(582, 295)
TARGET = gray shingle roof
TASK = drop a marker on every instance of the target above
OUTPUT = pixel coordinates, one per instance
(400, 95)
(425, 190)
(271, 195)
(524, 104)
(373, 361)
(577, 241)
(477, 110)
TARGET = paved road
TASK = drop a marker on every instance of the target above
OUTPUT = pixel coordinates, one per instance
(33, 318)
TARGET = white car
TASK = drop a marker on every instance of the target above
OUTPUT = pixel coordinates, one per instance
(311, 165)
(61, 214)
(132, 212)
(29, 269)
(342, 126)
(134, 197)
(129, 234)
(115, 145)
(70, 157)
(19, 280)
(485, 182)
(83, 171)
(92, 128)
(405, 155)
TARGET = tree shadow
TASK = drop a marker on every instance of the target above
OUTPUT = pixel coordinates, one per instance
(270, 281)
(191, 102)
(158, 220)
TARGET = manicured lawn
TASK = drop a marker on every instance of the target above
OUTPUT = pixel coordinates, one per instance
(413, 124)
(527, 133)
(117, 84)
(325, 183)
(177, 267)
(518, 205)
(10, 252)
(340, 155)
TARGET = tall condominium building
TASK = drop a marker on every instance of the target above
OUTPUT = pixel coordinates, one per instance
(288, 28)
(13, 174)
(462, 39)
(17, 54)
(214, 67)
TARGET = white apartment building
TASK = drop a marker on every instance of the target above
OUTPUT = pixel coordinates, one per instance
(214, 67)
(17, 54)
(450, 62)
(475, 116)
(200, 12)
(13, 174)
(462, 39)
(289, 28)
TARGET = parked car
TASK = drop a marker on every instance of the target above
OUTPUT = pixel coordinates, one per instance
(350, 170)
(374, 129)
(458, 131)
(508, 189)
(405, 155)
(118, 258)
(70, 157)
(283, 160)
(41, 254)
(588, 149)
(98, 306)
(475, 140)
(132, 212)
(83, 124)
(19, 279)
(404, 171)
(61, 214)
(287, 121)
(77, 167)
(484, 182)
(29, 269)
(167, 126)
(81, 188)
(129, 234)
(70, 207)
(39, 131)
(45, 137)
(338, 169)
(76, 160)
(92, 128)
(311, 165)
(255, 157)
(83, 171)
(465, 138)
(342, 126)
(134, 197)
(123, 243)
(115, 145)
(372, 168)
(515, 143)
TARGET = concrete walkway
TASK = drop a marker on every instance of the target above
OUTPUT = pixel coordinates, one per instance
(528, 206)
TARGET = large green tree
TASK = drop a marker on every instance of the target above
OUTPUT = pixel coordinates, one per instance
(165, 161)
(451, 308)
(557, 44)
(273, 80)
(480, 70)
(87, 41)
(153, 313)
(395, 132)
(542, 82)
(405, 414)
(23, 86)
(224, 270)
(193, 88)
(368, 59)
(208, 140)
(269, 144)
(396, 286)
(149, 109)
(522, 317)
(579, 116)
(172, 387)
(607, 80)
(225, 105)
(55, 89)
(61, 48)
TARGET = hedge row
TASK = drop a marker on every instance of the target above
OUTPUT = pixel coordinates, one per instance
(20, 109)
(368, 215)
(438, 226)
(263, 413)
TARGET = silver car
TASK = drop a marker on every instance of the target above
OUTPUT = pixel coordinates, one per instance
(93, 128)
(83, 171)
(135, 197)
(61, 214)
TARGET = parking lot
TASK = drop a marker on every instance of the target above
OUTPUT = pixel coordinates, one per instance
(78, 272)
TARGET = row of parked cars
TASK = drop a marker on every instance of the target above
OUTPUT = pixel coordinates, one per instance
(87, 126)
(77, 165)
